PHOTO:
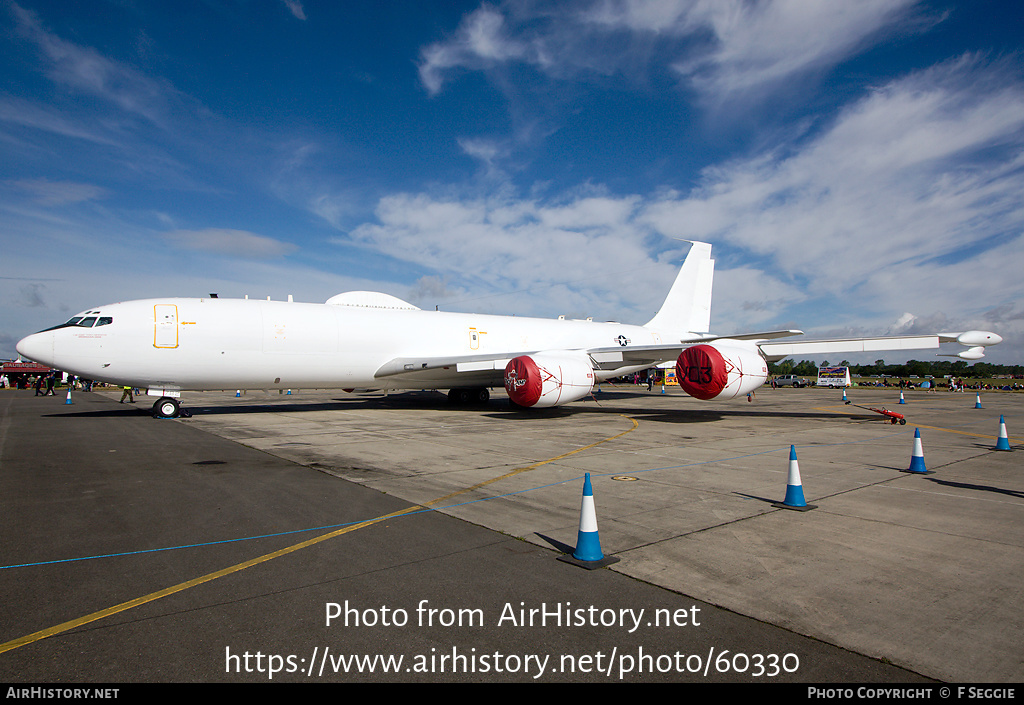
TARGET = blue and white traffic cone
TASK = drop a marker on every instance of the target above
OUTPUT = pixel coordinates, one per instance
(588, 544)
(68, 400)
(794, 488)
(917, 456)
(1004, 441)
(238, 392)
(901, 399)
(977, 401)
(844, 394)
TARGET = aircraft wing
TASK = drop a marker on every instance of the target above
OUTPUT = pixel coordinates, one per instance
(975, 340)
(488, 370)
(610, 358)
(446, 372)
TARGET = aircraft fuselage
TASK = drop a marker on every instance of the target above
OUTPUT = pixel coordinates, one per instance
(211, 343)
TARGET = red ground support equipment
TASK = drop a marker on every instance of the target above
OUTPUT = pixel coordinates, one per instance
(894, 418)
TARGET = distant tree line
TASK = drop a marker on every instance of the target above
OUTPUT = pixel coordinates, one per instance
(911, 368)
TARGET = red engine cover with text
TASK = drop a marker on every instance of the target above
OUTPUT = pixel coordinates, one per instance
(547, 379)
(523, 381)
(702, 372)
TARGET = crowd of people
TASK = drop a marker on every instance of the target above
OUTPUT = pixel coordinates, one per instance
(45, 384)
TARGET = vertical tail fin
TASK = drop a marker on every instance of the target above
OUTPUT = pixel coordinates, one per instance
(687, 308)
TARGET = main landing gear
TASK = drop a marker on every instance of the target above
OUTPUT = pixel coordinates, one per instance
(168, 408)
(464, 396)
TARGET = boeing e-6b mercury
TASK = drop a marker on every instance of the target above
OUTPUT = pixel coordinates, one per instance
(373, 340)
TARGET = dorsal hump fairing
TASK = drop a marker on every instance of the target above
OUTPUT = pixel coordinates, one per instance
(370, 299)
(687, 308)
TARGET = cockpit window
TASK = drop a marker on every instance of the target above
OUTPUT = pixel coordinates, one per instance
(83, 322)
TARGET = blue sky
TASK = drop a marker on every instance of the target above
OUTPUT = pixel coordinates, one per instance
(858, 167)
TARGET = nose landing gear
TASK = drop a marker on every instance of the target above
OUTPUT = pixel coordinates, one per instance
(168, 408)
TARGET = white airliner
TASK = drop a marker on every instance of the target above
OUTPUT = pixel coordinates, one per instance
(372, 340)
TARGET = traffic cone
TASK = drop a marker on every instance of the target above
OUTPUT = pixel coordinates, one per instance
(68, 400)
(1004, 442)
(977, 401)
(917, 456)
(844, 394)
(901, 398)
(238, 392)
(588, 543)
(794, 488)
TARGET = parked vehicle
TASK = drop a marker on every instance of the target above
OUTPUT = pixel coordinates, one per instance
(834, 376)
(790, 381)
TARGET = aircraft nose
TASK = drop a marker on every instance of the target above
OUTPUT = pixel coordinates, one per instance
(37, 347)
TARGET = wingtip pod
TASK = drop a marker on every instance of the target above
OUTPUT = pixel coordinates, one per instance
(976, 340)
(978, 337)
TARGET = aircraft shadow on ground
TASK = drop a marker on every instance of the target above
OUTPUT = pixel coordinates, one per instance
(604, 402)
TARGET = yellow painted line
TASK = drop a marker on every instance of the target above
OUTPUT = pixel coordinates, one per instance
(166, 592)
(518, 471)
(965, 433)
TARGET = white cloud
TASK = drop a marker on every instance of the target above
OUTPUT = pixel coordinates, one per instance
(480, 41)
(723, 48)
(295, 7)
(758, 45)
(896, 206)
(89, 72)
(906, 175)
(585, 241)
(225, 241)
(54, 193)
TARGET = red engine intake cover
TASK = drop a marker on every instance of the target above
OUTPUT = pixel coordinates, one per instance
(523, 381)
(702, 372)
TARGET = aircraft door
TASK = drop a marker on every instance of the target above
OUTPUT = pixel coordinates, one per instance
(165, 326)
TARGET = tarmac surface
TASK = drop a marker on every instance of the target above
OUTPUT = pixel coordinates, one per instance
(215, 547)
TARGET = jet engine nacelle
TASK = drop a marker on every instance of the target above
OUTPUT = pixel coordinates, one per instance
(548, 378)
(720, 371)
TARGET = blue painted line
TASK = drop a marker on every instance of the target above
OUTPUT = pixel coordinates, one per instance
(425, 509)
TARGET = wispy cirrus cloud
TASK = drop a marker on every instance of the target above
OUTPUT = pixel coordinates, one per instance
(85, 70)
(226, 241)
(721, 48)
(54, 193)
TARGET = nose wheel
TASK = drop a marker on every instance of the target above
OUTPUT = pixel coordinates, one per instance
(166, 408)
